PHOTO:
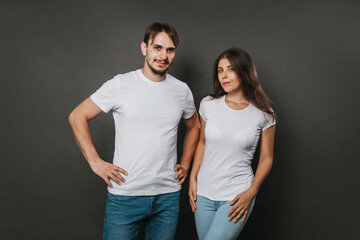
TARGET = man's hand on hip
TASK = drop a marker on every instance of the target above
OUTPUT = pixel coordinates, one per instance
(181, 173)
(108, 171)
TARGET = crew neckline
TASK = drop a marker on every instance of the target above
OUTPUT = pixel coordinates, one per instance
(143, 77)
(235, 110)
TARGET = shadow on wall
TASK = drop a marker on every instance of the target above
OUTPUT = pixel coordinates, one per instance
(199, 80)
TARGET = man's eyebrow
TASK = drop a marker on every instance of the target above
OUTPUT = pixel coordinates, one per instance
(157, 45)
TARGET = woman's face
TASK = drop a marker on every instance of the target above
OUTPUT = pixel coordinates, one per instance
(228, 79)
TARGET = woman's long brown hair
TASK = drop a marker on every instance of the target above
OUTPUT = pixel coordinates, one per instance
(246, 72)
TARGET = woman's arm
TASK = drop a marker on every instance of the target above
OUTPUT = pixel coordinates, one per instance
(243, 200)
(199, 153)
(266, 158)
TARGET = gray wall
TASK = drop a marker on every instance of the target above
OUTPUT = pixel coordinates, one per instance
(53, 54)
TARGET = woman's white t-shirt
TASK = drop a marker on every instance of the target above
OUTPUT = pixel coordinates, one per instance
(231, 139)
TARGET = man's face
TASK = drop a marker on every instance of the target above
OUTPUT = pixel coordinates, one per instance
(159, 53)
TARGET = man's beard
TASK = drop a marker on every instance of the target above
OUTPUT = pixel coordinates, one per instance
(160, 73)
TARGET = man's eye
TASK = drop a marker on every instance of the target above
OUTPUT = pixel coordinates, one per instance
(171, 50)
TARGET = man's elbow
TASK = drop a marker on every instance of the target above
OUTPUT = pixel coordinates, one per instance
(72, 117)
(196, 126)
(195, 129)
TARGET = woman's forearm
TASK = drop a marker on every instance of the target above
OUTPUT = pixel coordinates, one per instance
(262, 172)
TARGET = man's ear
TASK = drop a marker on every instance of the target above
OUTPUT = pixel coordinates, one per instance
(143, 48)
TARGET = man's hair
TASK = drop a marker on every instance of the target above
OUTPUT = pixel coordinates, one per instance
(156, 28)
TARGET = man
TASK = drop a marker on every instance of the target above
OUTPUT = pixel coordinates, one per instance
(147, 104)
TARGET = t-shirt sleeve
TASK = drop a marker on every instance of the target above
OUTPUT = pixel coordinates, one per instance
(268, 121)
(107, 96)
(189, 108)
(202, 108)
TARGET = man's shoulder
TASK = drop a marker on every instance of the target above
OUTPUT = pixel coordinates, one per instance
(126, 76)
(173, 80)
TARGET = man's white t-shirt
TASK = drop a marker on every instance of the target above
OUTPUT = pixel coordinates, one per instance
(146, 116)
(231, 139)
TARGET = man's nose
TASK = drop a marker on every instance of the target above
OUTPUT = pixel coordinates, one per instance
(163, 54)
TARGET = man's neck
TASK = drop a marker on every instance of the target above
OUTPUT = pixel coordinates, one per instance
(152, 76)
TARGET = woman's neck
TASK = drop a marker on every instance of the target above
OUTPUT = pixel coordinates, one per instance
(237, 97)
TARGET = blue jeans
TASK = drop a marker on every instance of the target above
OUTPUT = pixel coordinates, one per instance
(124, 214)
(212, 221)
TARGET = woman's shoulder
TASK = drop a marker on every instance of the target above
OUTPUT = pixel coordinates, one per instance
(210, 101)
(254, 108)
(263, 117)
(207, 99)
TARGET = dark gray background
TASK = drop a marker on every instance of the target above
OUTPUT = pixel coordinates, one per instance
(56, 53)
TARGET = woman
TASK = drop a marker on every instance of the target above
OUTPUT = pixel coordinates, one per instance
(222, 185)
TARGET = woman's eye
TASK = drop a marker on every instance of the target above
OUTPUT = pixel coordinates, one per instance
(220, 70)
(231, 69)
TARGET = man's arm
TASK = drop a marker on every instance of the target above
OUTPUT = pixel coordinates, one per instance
(199, 154)
(192, 126)
(78, 119)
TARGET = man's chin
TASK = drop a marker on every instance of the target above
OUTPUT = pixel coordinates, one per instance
(160, 71)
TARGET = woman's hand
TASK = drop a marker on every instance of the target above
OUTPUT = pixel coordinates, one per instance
(192, 193)
(242, 203)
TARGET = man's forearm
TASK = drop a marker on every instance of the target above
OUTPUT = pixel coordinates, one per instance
(199, 153)
(190, 142)
(83, 137)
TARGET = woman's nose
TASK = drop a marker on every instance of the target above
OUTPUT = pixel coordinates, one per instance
(224, 75)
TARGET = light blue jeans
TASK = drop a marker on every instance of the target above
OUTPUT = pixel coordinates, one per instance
(212, 221)
(124, 214)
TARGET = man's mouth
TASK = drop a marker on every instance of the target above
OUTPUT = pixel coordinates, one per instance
(162, 62)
